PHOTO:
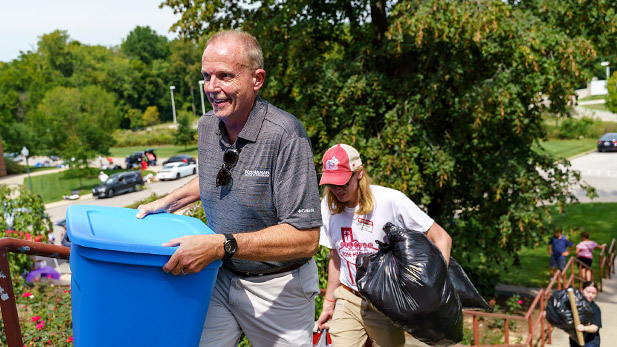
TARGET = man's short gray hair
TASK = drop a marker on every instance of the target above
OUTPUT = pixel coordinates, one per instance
(253, 54)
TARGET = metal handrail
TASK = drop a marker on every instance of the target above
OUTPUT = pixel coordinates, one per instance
(562, 279)
(8, 304)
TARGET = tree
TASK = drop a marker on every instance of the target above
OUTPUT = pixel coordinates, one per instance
(443, 98)
(186, 67)
(151, 116)
(144, 44)
(185, 134)
(76, 123)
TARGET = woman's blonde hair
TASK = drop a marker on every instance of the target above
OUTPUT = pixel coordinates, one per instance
(365, 201)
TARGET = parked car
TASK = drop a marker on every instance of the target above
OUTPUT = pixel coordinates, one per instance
(608, 142)
(119, 183)
(134, 160)
(174, 171)
(181, 158)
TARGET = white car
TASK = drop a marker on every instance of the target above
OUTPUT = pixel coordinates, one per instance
(174, 171)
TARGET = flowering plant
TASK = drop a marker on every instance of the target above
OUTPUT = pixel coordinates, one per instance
(44, 313)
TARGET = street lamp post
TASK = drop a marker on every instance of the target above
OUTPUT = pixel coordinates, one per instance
(25, 152)
(173, 105)
(608, 69)
(201, 91)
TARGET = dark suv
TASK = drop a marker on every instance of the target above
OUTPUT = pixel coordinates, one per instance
(119, 183)
(134, 160)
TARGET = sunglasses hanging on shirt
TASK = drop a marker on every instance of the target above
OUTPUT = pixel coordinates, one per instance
(230, 158)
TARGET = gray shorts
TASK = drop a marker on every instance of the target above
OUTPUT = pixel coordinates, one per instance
(272, 310)
(558, 260)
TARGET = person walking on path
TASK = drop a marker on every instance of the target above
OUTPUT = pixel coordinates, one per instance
(354, 213)
(559, 247)
(258, 187)
(584, 253)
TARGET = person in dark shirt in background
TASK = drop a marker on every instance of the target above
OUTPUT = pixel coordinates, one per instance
(561, 247)
(592, 331)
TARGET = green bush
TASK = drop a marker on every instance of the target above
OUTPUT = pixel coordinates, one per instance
(13, 167)
(155, 137)
(611, 99)
(24, 218)
(571, 128)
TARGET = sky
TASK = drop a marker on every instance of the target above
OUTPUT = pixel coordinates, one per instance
(91, 22)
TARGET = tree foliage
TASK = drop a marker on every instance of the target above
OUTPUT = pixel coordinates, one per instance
(611, 99)
(185, 134)
(151, 116)
(144, 44)
(443, 99)
(23, 216)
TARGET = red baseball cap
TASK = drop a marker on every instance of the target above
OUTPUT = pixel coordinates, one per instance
(339, 163)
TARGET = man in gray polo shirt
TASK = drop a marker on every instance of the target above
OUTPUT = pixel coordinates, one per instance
(258, 187)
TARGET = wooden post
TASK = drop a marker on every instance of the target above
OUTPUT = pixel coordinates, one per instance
(577, 321)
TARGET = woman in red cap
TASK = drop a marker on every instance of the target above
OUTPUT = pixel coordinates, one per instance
(354, 212)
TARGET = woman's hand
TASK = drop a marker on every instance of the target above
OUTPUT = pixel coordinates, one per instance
(323, 323)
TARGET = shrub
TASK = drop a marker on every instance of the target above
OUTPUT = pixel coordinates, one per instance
(151, 116)
(13, 167)
(572, 128)
(23, 217)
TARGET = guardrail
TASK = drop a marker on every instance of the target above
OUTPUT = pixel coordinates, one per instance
(539, 330)
(7, 302)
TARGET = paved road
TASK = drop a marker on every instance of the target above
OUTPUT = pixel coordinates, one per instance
(602, 115)
(600, 171)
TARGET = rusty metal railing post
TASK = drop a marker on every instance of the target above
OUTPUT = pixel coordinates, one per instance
(476, 333)
(7, 303)
(7, 295)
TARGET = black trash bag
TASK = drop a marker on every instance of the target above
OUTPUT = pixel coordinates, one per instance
(467, 293)
(559, 311)
(408, 282)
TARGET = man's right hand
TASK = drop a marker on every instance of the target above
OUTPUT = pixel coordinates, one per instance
(156, 206)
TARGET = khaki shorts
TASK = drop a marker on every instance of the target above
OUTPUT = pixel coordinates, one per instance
(272, 310)
(354, 320)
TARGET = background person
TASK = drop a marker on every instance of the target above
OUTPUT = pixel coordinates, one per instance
(592, 331)
(354, 213)
(584, 253)
(558, 247)
(258, 186)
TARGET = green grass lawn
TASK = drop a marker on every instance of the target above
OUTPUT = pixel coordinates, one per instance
(598, 107)
(595, 218)
(569, 148)
(593, 98)
(160, 151)
(53, 186)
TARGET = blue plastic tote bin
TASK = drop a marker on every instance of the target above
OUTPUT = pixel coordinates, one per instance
(120, 294)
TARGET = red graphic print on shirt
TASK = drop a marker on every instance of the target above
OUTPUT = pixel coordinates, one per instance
(349, 248)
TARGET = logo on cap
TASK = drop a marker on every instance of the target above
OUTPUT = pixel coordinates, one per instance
(332, 164)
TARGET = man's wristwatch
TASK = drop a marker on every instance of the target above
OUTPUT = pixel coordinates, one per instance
(230, 246)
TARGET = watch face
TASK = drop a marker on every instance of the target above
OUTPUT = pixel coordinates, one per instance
(230, 247)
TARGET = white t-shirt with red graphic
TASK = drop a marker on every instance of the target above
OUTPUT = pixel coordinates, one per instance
(352, 234)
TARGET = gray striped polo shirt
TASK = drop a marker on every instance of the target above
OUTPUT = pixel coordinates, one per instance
(273, 182)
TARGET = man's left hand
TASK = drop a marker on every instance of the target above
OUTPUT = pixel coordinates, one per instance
(194, 253)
